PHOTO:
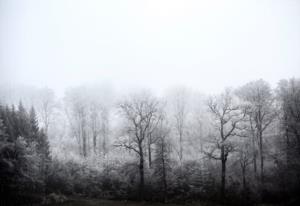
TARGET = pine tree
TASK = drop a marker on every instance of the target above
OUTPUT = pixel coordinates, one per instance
(23, 161)
(45, 158)
(43, 145)
(3, 134)
(6, 115)
(23, 124)
(3, 164)
(8, 178)
(34, 127)
(12, 123)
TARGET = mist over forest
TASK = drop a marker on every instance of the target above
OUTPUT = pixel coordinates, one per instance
(237, 147)
(149, 102)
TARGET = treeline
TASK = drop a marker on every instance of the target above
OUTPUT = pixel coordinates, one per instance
(24, 156)
(240, 147)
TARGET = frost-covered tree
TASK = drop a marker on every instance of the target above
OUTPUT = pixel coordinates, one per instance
(227, 116)
(178, 99)
(45, 107)
(141, 112)
(162, 160)
(261, 111)
(77, 112)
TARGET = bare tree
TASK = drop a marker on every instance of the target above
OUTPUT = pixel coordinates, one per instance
(45, 107)
(153, 134)
(94, 117)
(151, 139)
(141, 112)
(244, 159)
(162, 156)
(179, 100)
(226, 116)
(248, 132)
(262, 112)
(77, 113)
(198, 124)
(104, 128)
(289, 98)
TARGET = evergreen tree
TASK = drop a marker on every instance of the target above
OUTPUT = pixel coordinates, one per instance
(23, 124)
(6, 115)
(3, 135)
(43, 145)
(34, 127)
(24, 160)
(12, 123)
(45, 159)
(3, 164)
(8, 180)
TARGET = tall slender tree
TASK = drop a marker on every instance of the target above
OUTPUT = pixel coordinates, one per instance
(259, 96)
(162, 159)
(227, 116)
(23, 123)
(141, 111)
(34, 127)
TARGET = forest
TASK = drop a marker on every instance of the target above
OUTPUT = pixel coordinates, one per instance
(239, 147)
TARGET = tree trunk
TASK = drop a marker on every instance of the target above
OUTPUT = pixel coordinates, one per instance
(94, 142)
(164, 174)
(261, 157)
(104, 142)
(244, 177)
(254, 148)
(180, 148)
(84, 144)
(105, 132)
(83, 136)
(259, 131)
(141, 170)
(149, 155)
(223, 174)
(288, 148)
(254, 156)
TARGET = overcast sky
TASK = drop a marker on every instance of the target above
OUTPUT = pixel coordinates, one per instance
(203, 44)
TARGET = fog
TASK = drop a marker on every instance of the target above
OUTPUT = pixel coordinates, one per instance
(149, 102)
(205, 45)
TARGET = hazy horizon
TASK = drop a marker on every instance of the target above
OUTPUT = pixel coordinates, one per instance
(204, 45)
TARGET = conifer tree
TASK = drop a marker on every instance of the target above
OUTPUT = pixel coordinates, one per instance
(44, 154)
(23, 124)
(3, 134)
(34, 127)
(8, 174)
(43, 145)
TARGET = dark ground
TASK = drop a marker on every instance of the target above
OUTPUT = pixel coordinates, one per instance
(97, 202)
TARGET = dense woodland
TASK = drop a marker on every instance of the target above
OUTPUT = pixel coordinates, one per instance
(240, 147)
